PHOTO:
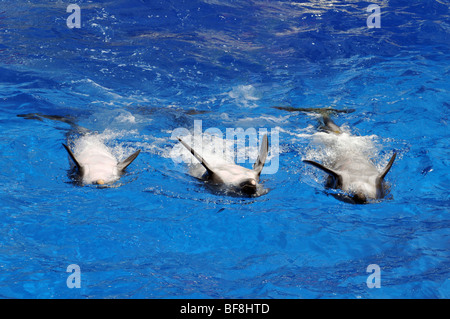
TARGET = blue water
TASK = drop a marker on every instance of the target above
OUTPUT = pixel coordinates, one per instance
(136, 70)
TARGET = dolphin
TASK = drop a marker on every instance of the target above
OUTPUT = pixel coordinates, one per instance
(96, 165)
(94, 162)
(231, 176)
(355, 174)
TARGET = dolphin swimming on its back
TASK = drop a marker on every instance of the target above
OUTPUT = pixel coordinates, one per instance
(352, 172)
(234, 177)
(96, 165)
(94, 162)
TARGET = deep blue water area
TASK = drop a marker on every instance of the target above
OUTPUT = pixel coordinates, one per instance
(137, 70)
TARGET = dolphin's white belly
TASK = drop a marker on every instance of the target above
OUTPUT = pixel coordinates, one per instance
(98, 165)
(234, 174)
(356, 165)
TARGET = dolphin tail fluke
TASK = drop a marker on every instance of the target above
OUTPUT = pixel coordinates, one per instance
(323, 168)
(72, 156)
(264, 150)
(59, 118)
(388, 166)
(31, 116)
(329, 126)
(322, 111)
(197, 156)
(124, 164)
(40, 116)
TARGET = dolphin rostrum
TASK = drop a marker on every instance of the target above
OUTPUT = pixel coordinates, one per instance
(234, 177)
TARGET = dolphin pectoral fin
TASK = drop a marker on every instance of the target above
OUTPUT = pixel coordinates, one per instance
(72, 156)
(198, 157)
(325, 169)
(388, 166)
(264, 150)
(124, 164)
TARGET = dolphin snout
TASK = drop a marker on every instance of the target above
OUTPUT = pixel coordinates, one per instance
(248, 187)
(360, 198)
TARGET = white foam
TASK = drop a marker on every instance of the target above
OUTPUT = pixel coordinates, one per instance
(327, 147)
(216, 151)
(211, 147)
(104, 142)
(244, 95)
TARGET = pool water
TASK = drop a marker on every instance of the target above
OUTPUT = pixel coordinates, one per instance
(137, 73)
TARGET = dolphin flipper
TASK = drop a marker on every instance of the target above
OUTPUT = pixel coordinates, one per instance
(323, 168)
(388, 166)
(198, 157)
(72, 156)
(124, 164)
(264, 150)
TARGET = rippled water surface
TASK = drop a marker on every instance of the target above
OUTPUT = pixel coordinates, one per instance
(136, 71)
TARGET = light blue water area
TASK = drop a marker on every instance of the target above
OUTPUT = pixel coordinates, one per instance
(138, 70)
